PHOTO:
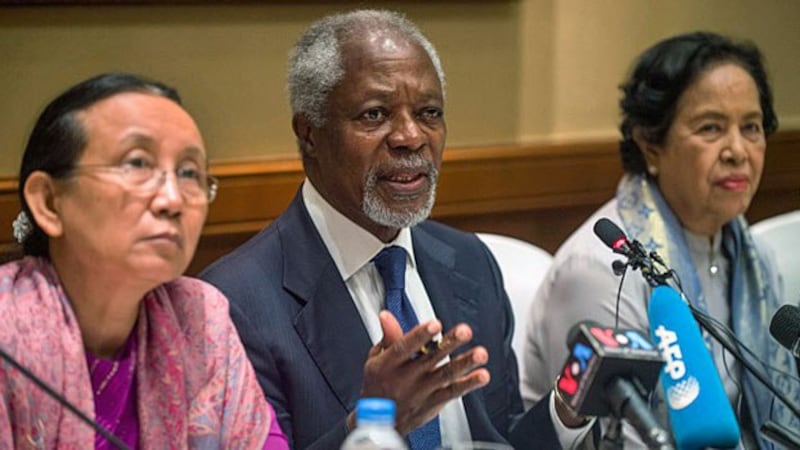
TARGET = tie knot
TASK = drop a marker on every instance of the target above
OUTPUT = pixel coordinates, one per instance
(391, 265)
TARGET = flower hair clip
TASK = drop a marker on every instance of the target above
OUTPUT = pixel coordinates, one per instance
(22, 227)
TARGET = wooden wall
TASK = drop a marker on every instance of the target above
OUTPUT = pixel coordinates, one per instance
(539, 193)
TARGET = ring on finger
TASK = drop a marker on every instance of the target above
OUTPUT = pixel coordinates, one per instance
(431, 346)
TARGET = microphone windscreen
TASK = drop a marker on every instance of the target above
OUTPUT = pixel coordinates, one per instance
(699, 411)
(608, 232)
(785, 326)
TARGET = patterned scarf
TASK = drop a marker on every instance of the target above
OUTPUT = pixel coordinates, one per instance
(196, 388)
(647, 218)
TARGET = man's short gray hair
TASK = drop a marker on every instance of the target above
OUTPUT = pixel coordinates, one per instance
(315, 62)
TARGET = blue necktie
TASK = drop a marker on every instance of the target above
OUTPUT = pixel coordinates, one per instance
(391, 264)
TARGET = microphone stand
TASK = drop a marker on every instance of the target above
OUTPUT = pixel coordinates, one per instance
(640, 259)
(647, 427)
(625, 402)
(613, 438)
(780, 435)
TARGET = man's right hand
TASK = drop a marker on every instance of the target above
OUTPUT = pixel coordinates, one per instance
(417, 382)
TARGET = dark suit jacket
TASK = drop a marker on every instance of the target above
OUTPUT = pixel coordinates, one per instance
(308, 345)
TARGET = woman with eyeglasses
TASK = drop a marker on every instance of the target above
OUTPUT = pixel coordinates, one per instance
(114, 191)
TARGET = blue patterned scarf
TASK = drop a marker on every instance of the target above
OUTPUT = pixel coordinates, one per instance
(753, 301)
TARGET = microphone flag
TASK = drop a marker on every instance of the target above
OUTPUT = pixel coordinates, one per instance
(598, 355)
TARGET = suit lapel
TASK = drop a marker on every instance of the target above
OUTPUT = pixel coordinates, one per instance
(451, 293)
(328, 323)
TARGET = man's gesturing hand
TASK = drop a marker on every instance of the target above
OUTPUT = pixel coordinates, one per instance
(418, 381)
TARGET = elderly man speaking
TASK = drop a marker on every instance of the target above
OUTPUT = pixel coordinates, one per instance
(335, 299)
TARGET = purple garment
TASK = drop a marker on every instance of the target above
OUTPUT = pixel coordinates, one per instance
(276, 440)
(115, 395)
(115, 400)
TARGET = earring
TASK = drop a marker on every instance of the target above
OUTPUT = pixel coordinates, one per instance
(22, 227)
(652, 170)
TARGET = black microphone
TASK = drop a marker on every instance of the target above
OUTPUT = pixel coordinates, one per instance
(614, 237)
(650, 264)
(606, 373)
(63, 401)
(785, 328)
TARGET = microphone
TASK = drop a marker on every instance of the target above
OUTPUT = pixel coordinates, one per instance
(63, 401)
(699, 410)
(638, 258)
(605, 374)
(613, 237)
(785, 328)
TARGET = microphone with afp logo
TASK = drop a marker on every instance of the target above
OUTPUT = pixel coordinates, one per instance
(699, 411)
(607, 372)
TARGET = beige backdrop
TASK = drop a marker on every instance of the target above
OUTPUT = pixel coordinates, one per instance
(518, 71)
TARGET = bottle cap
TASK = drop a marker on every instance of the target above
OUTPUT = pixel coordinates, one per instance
(375, 410)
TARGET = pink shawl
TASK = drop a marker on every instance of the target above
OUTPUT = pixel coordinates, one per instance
(196, 388)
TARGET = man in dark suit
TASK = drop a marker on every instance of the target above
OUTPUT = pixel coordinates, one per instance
(307, 293)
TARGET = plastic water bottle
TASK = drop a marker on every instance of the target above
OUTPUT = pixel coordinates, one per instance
(374, 427)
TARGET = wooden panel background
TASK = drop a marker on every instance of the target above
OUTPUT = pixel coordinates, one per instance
(539, 193)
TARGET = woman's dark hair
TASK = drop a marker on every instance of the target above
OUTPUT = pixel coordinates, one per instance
(664, 71)
(58, 138)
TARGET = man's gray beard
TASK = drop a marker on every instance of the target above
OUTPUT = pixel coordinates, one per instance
(375, 208)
